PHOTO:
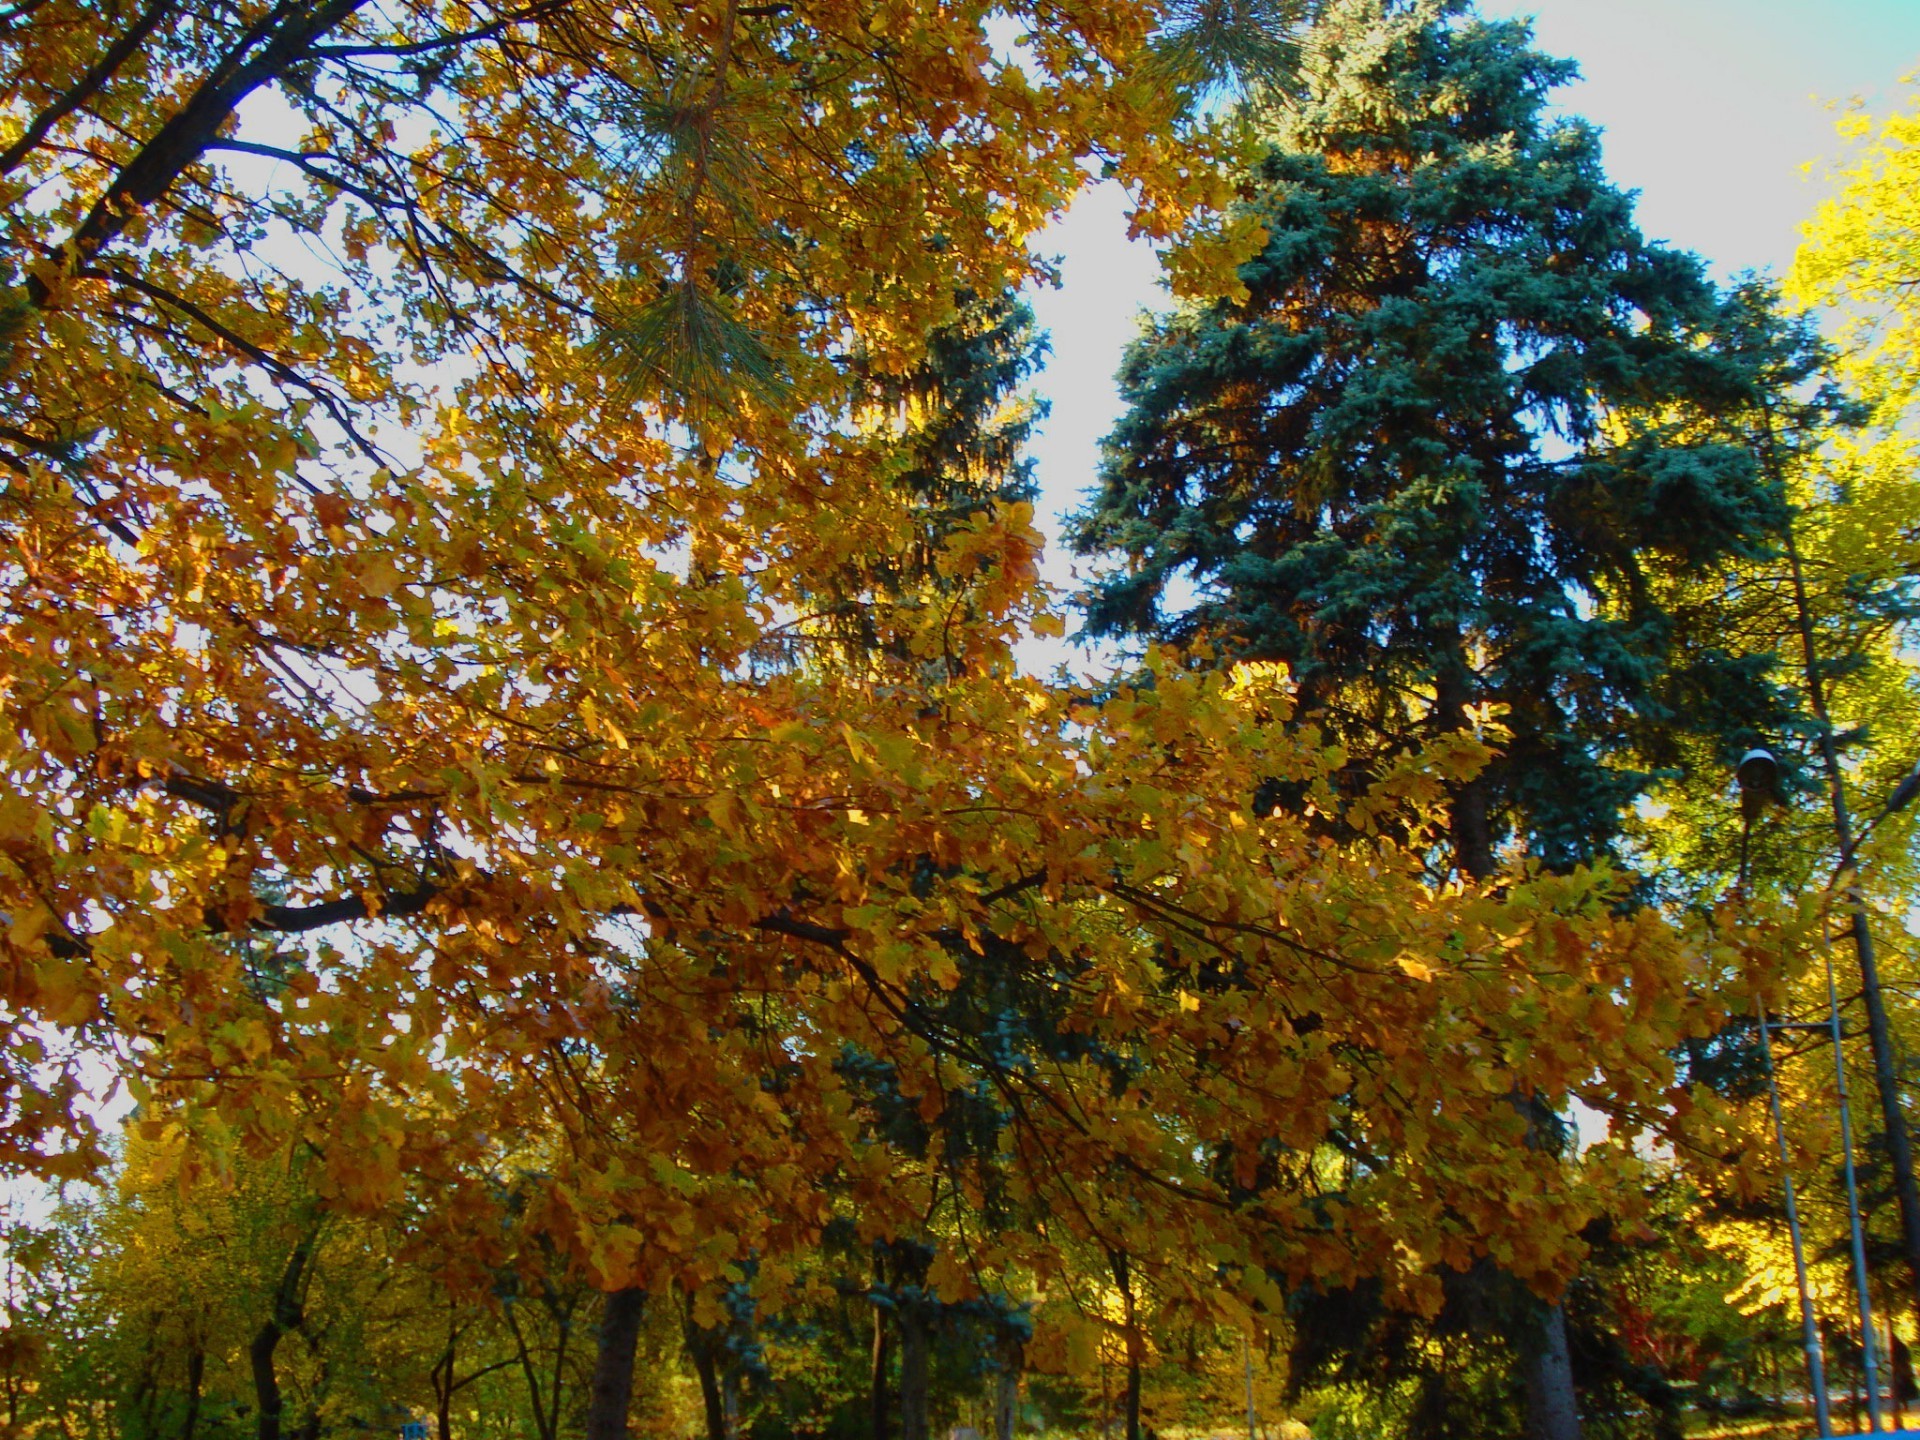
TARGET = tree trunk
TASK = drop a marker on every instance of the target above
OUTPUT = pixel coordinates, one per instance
(310, 1427)
(913, 1370)
(1123, 1277)
(1548, 1366)
(907, 1263)
(196, 1378)
(704, 1348)
(730, 1401)
(441, 1377)
(1006, 1390)
(612, 1390)
(266, 1383)
(543, 1426)
(284, 1316)
(1900, 1385)
(1886, 1069)
(709, 1375)
(879, 1411)
(1552, 1411)
(1470, 823)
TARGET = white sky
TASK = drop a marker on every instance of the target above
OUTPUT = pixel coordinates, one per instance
(1712, 109)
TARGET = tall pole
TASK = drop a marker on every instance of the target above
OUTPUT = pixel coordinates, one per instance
(1809, 1327)
(1870, 1371)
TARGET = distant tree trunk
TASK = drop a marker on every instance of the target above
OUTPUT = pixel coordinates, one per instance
(611, 1394)
(1470, 825)
(310, 1427)
(1546, 1363)
(913, 1370)
(709, 1376)
(196, 1378)
(266, 1384)
(704, 1348)
(1006, 1391)
(1548, 1366)
(730, 1401)
(1857, 1391)
(541, 1425)
(913, 1374)
(441, 1377)
(879, 1411)
(913, 1313)
(1123, 1278)
(284, 1316)
(146, 1390)
(1902, 1387)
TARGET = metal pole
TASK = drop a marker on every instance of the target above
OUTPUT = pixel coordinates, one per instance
(1870, 1371)
(1809, 1328)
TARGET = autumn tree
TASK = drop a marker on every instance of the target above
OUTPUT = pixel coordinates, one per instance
(419, 419)
(562, 425)
(1859, 258)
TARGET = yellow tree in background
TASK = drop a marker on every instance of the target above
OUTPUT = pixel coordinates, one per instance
(1862, 254)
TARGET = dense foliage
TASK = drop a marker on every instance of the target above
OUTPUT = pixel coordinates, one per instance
(538, 900)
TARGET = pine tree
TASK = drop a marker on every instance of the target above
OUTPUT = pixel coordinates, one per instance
(1464, 416)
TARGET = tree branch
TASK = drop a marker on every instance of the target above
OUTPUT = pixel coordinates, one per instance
(282, 38)
(87, 86)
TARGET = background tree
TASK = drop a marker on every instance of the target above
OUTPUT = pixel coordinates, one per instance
(1432, 459)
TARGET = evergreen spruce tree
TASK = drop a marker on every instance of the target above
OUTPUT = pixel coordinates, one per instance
(1437, 460)
(1464, 416)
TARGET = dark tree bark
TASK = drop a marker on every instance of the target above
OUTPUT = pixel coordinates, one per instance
(730, 1401)
(196, 1379)
(1901, 1386)
(1123, 1278)
(560, 1306)
(260, 57)
(1006, 1390)
(285, 1316)
(1470, 826)
(913, 1372)
(879, 1398)
(1548, 1370)
(705, 1348)
(711, 1398)
(611, 1393)
(146, 1390)
(913, 1313)
(442, 1379)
